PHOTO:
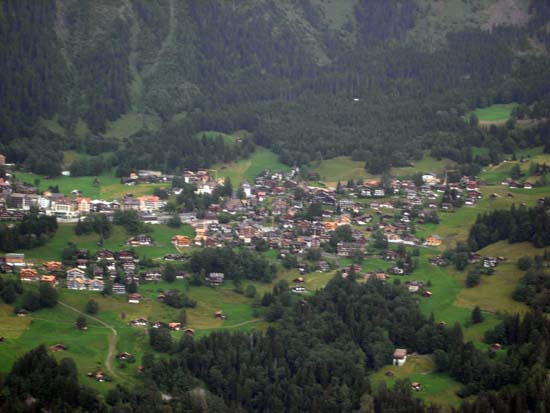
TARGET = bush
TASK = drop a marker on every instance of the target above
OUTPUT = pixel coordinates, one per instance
(169, 273)
(160, 339)
(31, 301)
(92, 307)
(477, 315)
(177, 300)
(8, 293)
(525, 262)
(47, 295)
(250, 291)
(473, 279)
(81, 322)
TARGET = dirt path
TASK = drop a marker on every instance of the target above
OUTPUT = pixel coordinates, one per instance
(255, 320)
(112, 339)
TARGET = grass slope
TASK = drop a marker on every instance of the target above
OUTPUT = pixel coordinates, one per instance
(498, 113)
(109, 187)
(494, 293)
(426, 164)
(162, 235)
(132, 123)
(340, 168)
(248, 169)
(343, 168)
(227, 138)
(437, 388)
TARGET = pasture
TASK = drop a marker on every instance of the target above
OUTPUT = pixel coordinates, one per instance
(343, 168)
(248, 169)
(131, 123)
(437, 388)
(108, 188)
(494, 293)
(89, 348)
(162, 235)
(340, 168)
(494, 114)
(425, 165)
(230, 139)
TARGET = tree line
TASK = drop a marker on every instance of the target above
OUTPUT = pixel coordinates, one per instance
(519, 224)
(34, 230)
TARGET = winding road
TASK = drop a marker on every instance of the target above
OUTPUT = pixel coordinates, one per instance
(112, 339)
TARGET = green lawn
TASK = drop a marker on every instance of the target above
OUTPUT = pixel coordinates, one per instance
(109, 187)
(437, 388)
(426, 164)
(343, 168)
(227, 138)
(248, 169)
(52, 326)
(494, 293)
(162, 235)
(340, 168)
(494, 113)
(89, 348)
(131, 123)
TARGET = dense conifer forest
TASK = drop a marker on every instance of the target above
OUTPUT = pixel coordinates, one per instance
(305, 89)
(517, 225)
(382, 84)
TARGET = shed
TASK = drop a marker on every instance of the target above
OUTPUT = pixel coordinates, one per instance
(399, 356)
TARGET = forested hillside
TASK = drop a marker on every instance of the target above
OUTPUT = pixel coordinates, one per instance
(311, 79)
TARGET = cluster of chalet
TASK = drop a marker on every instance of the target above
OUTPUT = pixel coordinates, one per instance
(90, 273)
(144, 176)
(510, 183)
(271, 212)
(14, 204)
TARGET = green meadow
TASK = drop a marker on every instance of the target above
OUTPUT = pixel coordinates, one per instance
(89, 348)
(426, 164)
(248, 169)
(341, 169)
(108, 188)
(494, 113)
(437, 388)
(227, 138)
(162, 236)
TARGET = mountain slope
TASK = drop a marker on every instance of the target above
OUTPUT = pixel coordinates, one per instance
(287, 71)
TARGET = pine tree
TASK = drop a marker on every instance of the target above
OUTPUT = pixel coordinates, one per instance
(92, 307)
(81, 322)
(477, 315)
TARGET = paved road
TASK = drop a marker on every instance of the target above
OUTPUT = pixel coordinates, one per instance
(112, 339)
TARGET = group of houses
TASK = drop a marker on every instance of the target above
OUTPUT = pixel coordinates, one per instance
(273, 212)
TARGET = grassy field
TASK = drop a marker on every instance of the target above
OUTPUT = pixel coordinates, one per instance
(426, 164)
(131, 123)
(455, 226)
(162, 235)
(89, 348)
(494, 113)
(227, 138)
(494, 293)
(109, 187)
(248, 169)
(125, 126)
(343, 168)
(437, 388)
(498, 173)
(52, 326)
